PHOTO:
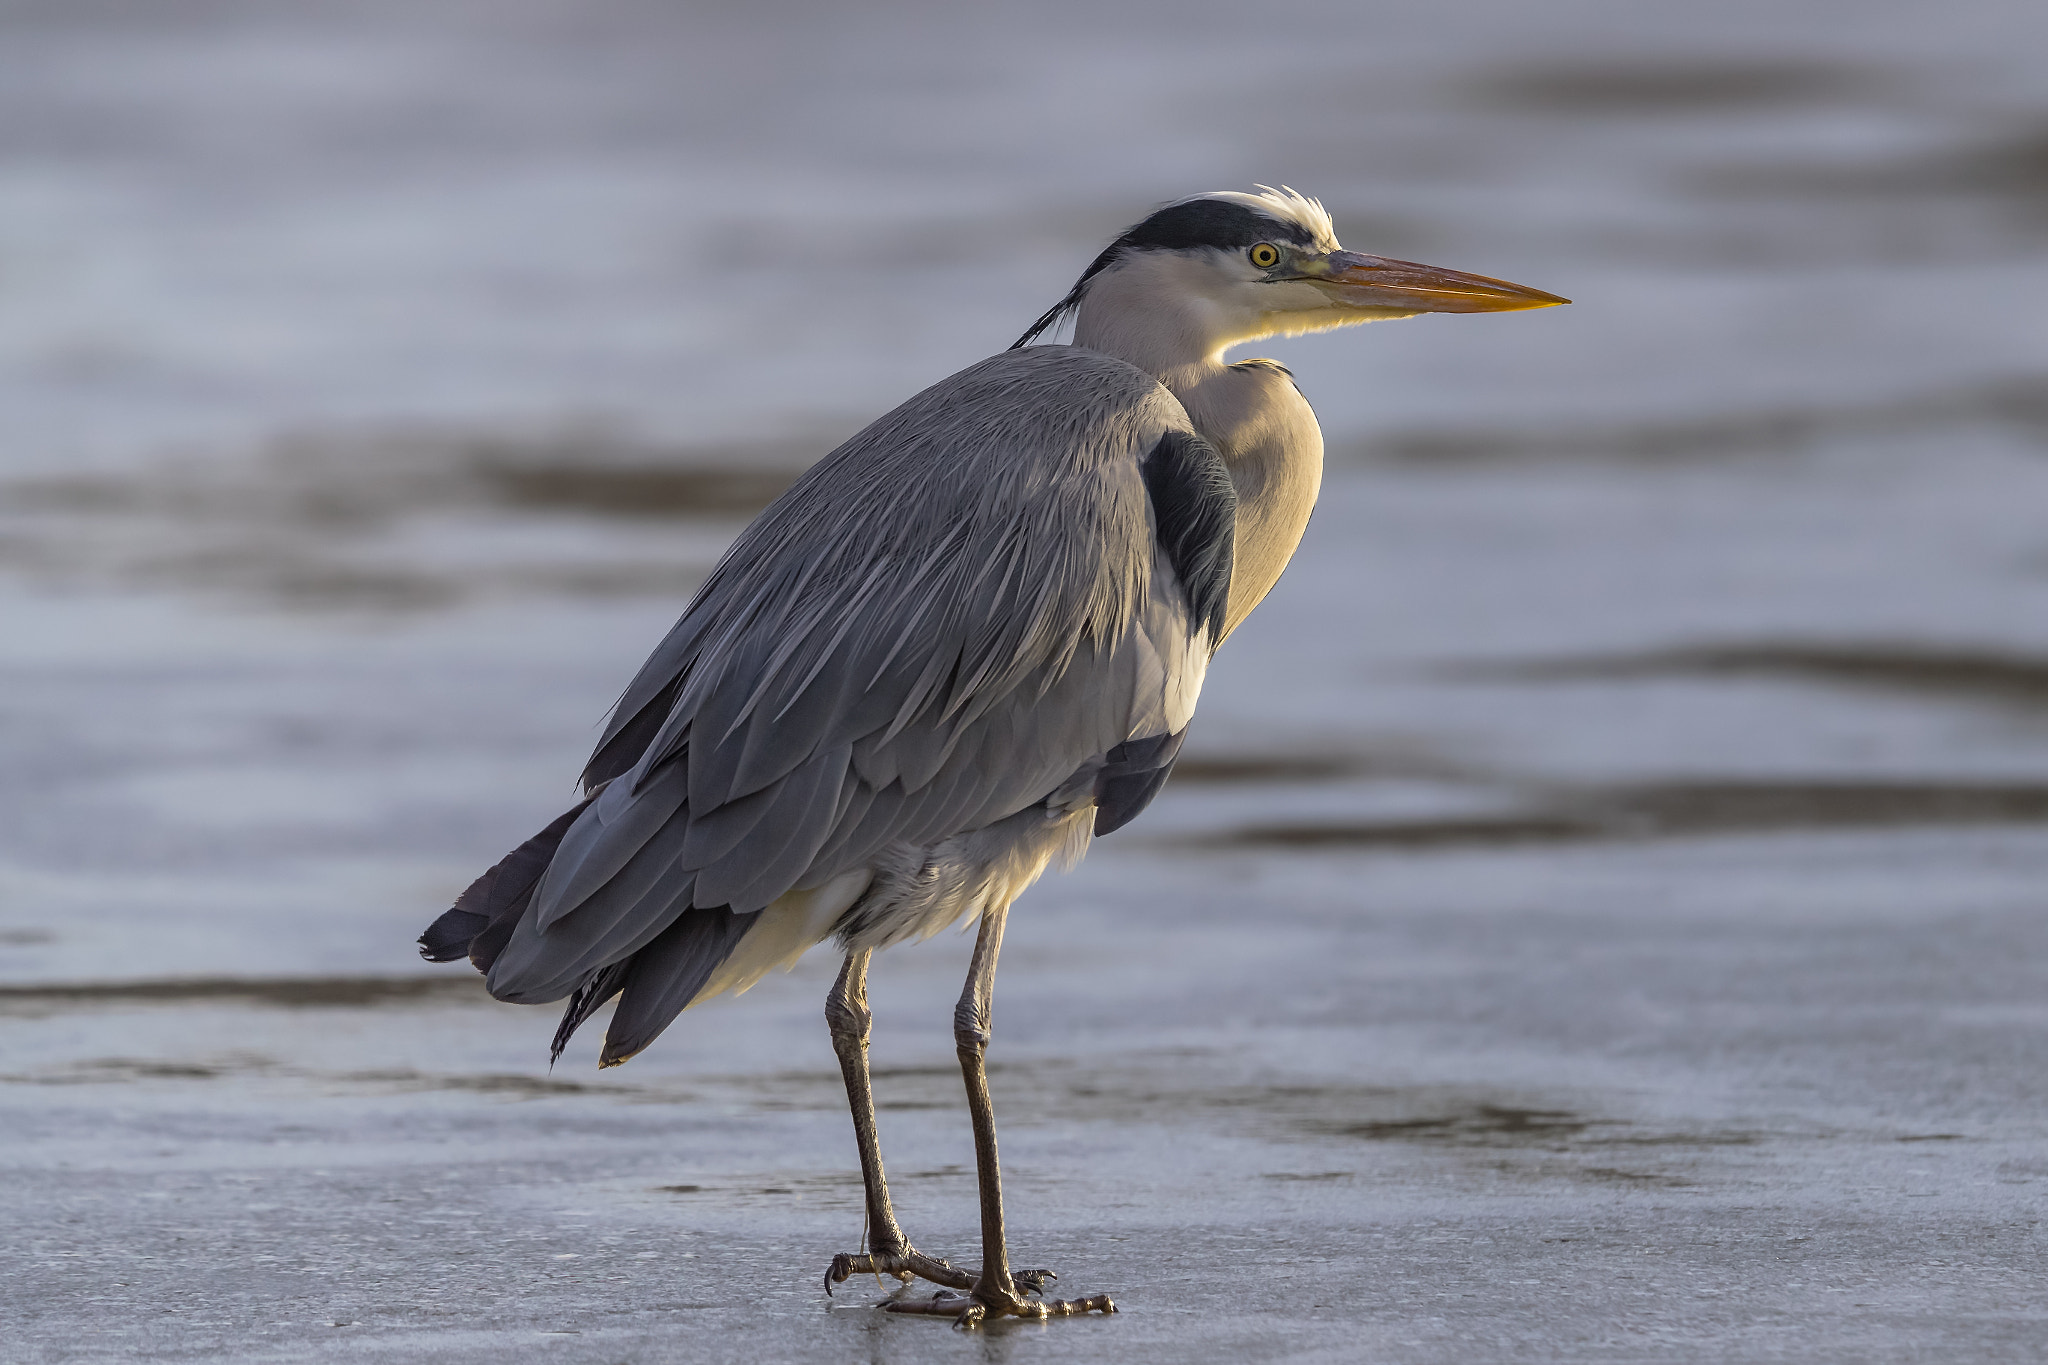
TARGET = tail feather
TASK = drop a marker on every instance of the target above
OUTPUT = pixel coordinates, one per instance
(484, 916)
(600, 986)
(656, 983)
(665, 976)
(448, 937)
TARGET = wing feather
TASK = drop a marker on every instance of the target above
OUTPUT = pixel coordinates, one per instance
(603, 839)
(775, 853)
(939, 625)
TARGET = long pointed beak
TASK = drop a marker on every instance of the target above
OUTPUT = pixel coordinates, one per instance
(1377, 283)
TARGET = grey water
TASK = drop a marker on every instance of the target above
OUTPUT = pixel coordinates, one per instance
(1599, 916)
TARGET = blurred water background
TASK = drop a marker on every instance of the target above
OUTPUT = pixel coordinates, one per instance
(1622, 835)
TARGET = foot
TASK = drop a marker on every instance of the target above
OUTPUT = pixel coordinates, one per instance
(907, 1262)
(973, 1309)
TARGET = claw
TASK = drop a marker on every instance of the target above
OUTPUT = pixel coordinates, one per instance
(845, 1267)
(1032, 1281)
(905, 1265)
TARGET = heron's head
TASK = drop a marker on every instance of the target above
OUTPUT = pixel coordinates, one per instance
(1202, 274)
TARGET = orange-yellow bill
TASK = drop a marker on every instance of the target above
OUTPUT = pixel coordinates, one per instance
(1377, 282)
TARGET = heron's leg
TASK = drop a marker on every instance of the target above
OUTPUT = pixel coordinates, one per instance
(888, 1251)
(997, 1291)
(971, 1020)
(848, 1017)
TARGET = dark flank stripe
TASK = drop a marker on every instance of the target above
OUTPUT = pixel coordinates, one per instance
(1194, 505)
(1135, 772)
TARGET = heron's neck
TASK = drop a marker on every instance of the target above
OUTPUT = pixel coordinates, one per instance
(1251, 413)
(1140, 312)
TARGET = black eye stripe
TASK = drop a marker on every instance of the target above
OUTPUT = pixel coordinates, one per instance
(1220, 223)
(1211, 222)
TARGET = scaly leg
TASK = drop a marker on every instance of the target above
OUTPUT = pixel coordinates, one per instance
(996, 1292)
(888, 1251)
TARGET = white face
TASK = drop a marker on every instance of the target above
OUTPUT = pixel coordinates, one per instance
(1298, 294)
(1198, 303)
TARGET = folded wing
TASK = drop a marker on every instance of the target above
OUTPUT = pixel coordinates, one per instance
(1003, 590)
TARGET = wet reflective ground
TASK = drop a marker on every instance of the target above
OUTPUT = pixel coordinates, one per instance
(1599, 916)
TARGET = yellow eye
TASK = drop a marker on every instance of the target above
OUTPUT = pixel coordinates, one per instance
(1265, 255)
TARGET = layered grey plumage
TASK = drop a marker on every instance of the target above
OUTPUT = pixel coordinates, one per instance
(952, 619)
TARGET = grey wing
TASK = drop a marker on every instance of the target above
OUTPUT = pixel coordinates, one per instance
(1006, 586)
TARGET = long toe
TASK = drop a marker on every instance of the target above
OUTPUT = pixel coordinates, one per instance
(905, 1265)
(971, 1310)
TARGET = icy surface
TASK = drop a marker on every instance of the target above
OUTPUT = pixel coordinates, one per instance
(1599, 916)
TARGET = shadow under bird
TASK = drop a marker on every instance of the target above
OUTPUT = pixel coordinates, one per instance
(958, 648)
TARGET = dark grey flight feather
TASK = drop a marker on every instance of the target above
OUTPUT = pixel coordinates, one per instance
(623, 744)
(497, 898)
(665, 976)
(586, 1000)
(932, 630)
(654, 984)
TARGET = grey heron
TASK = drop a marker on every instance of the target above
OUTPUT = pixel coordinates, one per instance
(958, 648)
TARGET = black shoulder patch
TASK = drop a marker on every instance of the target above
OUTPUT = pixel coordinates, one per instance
(1194, 505)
